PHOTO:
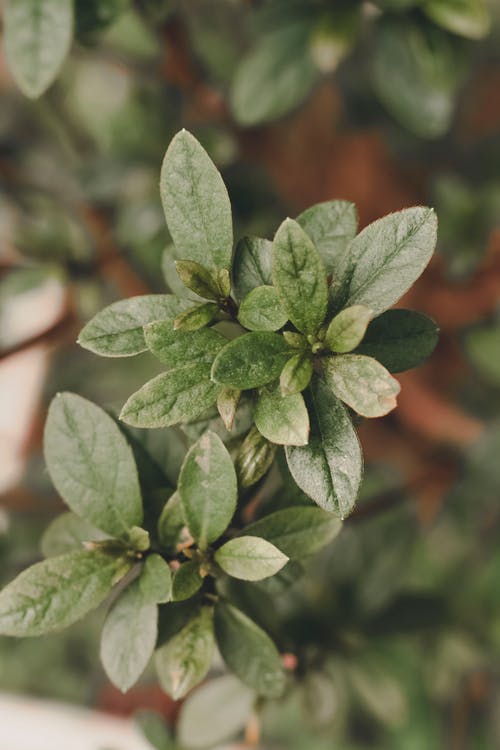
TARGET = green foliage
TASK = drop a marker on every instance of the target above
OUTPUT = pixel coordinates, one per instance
(250, 558)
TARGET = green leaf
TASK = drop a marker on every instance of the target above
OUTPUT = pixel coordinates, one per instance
(57, 592)
(208, 489)
(155, 582)
(117, 331)
(186, 658)
(331, 226)
(251, 360)
(37, 37)
(329, 467)
(400, 339)
(248, 651)
(92, 465)
(417, 72)
(129, 637)
(176, 396)
(250, 558)
(389, 255)
(296, 374)
(68, 532)
(254, 458)
(179, 348)
(187, 581)
(154, 729)
(482, 346)
(261, 310)
(199, 279)
(196, 317)
(347, 328)
(196, 203)
(215, 712)
(227, 404)
(297, 531)
(171, 277)
(138, 539)
(362, 383)
(282, 419)
(275, 76)
(171, 524)
(468, 18)
(299, 277)
(251, 265)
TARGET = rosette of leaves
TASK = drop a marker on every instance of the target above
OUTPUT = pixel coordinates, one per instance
(164, 569)
(298, 327)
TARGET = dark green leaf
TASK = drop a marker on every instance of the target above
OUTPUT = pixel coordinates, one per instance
(282, 419)
(248, 651)
(117, 331)
(254, 458)
(297, 531)
(57, 592)
(331, 226)
(261, 310)
(362, 383)
(92, 465)
(250, 558)
(186, 658)
(155, 729)
(179, 348)
(196, 317)
(329, 467)
(128, 637)
(251, 360)
(187, 581)
(199, 279)
(196, 203)
(400, 339)
(252, 265)
(299, 276)
(208, 489)
(389, 255)
(37, 35)
(155, 581)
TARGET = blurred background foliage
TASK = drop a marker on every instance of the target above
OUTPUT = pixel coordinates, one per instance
(388, 104)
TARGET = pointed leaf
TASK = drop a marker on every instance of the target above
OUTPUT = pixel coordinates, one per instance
(400, 339)
(251, 360)
(362, 383)
(331, 226)
(117, 331)
(227, 404)
(37, 37)
(255, 456)
(196, 203)
(248, 651)
(252, 265)
(57, 592)
(299, 276)
(155, 581)
(297, 531)
(129, 637)
(329, 467)
(92, 465)
(282, 419)
(347, 328)
(250, 558)
(186, 658)
(198, 279)
(261, 310)
(196, 317)
(208, 489)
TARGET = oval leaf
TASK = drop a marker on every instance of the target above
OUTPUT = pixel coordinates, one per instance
(282, 419)
(331, 226)
(68, 532)
(363, 384)
(92, 465)
(187, 581)
(196, 203)
(261, 310)
(251, 360)
(128, 637)
(329, 467)
(208, 489)
(297, 531)
(251, 265)
(296, 374)
(179, 348)
(250, 558)
(57, 592)
(347, 328)
(155, 581)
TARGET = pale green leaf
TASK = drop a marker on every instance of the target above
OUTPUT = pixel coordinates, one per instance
(299, 276)
(196, 203)
(347, 328)
(187, 581)
(155, 582)
(208, 489)
(296, 374)
(117, 331)
(251, 265)
(227, 404)
(128, 637)
(282, 419)
(297, 531)
(186, 658)
(261, 310)
(329, 467)
(171, 524)
(57, 592)
(468, 18)
(251, 360)
(331, 226)
(37, 37)
(248, 651)
(362, 383)
(250, 558)
(179, 348)
(92, 465)
(68, 532)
